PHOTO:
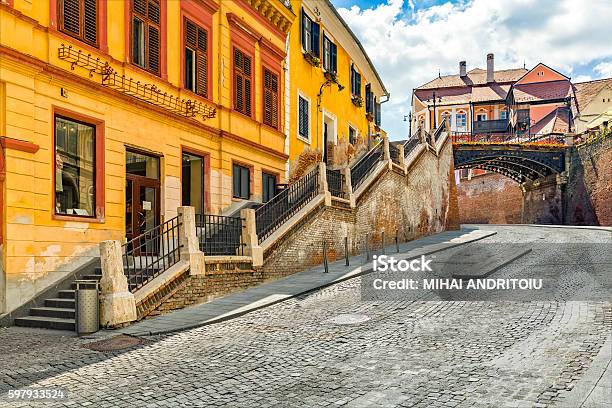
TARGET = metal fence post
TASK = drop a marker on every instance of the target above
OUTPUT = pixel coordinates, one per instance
(346, 255)
(325, 264)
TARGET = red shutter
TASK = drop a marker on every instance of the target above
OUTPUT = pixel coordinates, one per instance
(191, 34)
(90, 25)
(270, 99)
(153, 11)
(140, 7)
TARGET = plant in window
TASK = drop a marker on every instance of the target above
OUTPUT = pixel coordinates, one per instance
(312, 59)
(357, 100)
(331, 76)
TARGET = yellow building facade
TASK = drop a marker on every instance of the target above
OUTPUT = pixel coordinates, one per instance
(335, 91)
(114, 113)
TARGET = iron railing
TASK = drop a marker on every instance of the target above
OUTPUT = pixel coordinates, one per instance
(410, 144)
(336, 183)
(219, 235)
(467, 137)
(361, 169)
(394, 153)
(270, 216)
(493, 126)
(151, 253)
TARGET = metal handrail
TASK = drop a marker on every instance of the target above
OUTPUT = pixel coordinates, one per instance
(151, 253)
(410, 144)
(361, 169)
(335, 183)
(270, 216)
(220, 235)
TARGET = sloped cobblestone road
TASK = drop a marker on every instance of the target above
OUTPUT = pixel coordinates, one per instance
(427, 353)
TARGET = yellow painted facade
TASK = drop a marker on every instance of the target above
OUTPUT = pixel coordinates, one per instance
(38, 246)
(328, 103)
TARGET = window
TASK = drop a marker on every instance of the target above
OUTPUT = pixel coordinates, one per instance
(330, 55)
(192, 182)
(270, 98)
(461, 120)
(352, 133)
(369, 99)
(268, 188)
(146, 34)
(196, 58)
(503, 114)
(79, 19)
(480, 117)
(355, 81)
(303, 117)
(242, 82)
(75, 181)
(241, 177)
(310, 35)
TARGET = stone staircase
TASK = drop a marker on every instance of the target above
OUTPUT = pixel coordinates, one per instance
(58, 312)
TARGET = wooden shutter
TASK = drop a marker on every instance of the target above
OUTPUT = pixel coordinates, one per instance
(148, 11)
(270, 98)
(334, 57)
(78, 18)
(242, 82)
(202, 63)
(71, 16)
(316, 41)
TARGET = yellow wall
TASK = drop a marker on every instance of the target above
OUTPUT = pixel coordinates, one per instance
(38, 248)
(307, 80)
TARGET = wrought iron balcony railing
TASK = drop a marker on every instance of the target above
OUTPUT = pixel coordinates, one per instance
(490, 126)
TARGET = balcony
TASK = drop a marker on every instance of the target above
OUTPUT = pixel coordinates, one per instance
(490, 126)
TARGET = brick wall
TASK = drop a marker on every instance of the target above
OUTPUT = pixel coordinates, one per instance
(489, 199)
(420, 203)
(221, 279)
(589, 189)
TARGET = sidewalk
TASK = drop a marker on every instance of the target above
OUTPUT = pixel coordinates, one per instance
(294, 285)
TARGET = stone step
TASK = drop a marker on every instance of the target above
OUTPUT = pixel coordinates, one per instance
(66, 294)
(55, 323)
(64, 313)
(59, 302)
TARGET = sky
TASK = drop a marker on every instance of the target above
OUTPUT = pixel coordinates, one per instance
(411, 41)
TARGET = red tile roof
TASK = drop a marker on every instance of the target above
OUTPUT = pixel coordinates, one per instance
(476, 76)
(542, 91)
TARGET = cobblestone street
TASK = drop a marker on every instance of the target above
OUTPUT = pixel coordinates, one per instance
(302, 352)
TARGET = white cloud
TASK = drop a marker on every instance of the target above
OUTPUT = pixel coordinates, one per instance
(604, 69)
(409, 47)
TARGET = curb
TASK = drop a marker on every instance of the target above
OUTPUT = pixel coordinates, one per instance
(583, 227)
(349, 275)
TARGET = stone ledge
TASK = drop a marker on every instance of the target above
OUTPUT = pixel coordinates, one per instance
(160, 281)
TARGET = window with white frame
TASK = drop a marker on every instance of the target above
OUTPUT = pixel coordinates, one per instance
(503, 114)
(461, 120)
(481, 117)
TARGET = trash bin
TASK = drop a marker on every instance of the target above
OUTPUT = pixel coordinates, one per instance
(86, 307)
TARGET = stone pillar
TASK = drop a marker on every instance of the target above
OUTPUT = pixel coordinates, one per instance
(386, 154)
(188, 239)
(348, 187)
(117, 304)
(402, 159)
(323, 188)
(249, 237)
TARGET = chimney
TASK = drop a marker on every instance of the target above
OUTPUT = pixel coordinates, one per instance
(462, 69)
(490, 68)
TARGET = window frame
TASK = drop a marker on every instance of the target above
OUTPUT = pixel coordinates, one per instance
(264, 68)
(146, 22)
(205, 156)
(271, 175)
(355, 133)
(99, 164)
(305, 139)
(355, 79)
(249, 170)
(81, 35)
(251, 79)
(308, 40)
(199, 26)
(333, 55)
(464, 121)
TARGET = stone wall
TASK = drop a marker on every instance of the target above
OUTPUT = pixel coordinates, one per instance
(489, 199)
(420, 203)
(543, 201)
(221, 278)
(589, 189)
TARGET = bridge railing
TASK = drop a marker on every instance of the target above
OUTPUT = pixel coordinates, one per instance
(467, 137)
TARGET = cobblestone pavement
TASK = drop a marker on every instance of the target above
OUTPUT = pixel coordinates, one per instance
(300, 353)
